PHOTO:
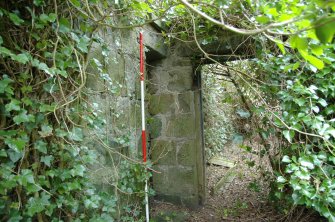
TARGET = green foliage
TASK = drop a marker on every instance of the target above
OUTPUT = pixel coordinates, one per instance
(308, 111)
(217, 127)
(294, 79)
(306, 119)
(45, 115)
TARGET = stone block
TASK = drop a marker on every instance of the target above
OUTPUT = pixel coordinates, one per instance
(160, 103)
(163, 152)
(181, 126)
(186, 155)
(181, 61)
(186, 102)
(116, 68)
(175, 181)
(154, 42)
(159, 77)
(155, 127)
(181, 79)
(191, 201)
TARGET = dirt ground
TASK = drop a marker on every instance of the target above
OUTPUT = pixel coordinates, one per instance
(242, 198)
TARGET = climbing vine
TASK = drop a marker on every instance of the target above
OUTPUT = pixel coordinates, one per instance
(292, 80)
(46, 113)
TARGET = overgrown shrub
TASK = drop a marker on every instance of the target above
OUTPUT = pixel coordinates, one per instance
(45, 114)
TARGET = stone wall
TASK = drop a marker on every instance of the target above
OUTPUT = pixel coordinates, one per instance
(173, 115)
(117, 101)
(175, 131)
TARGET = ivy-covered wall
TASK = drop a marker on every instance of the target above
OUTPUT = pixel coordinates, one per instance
(120, 106)
(173, 113)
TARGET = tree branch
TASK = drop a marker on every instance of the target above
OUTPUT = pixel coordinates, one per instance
(237, 30)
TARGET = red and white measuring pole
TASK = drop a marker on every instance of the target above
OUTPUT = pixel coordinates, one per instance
(144, 138)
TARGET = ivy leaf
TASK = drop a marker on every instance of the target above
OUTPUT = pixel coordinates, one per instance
(47, 160)
(300, 101)
(46, 130)
(13, 105)
(26, 89)
(42, 66)
(78, 170)
(64, 25)
(286, 159)
(289, 134)
(76, 134)
(37, 204)
(14, 156)
(26, 177)
(281, 179)
(32, 188)
(15, 19)
(48, 18)
(27, 101)
(21, 58)
(23, 117)
(306, 163)
(41, 146)
(47, 108)
(316, 109)
(323, 102)
(50, 87)
(16, 144)
(4, 85)
(5, 52)
(331, 131)
(61, 133)
(83, 44)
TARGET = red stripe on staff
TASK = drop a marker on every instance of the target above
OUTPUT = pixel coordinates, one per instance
(144, 146)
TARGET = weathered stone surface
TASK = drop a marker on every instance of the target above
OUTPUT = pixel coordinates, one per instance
(186, 155)
(174, 216)
(181, 126)
(176, 184)
(181, 79)
(173, 104)
(159, 78)
(163, 152)
(181, 61)
(185, 102)
(155, 127)
(174, 180)
(221, 161)
(200, 150)
(155, 44)
(160, 103)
